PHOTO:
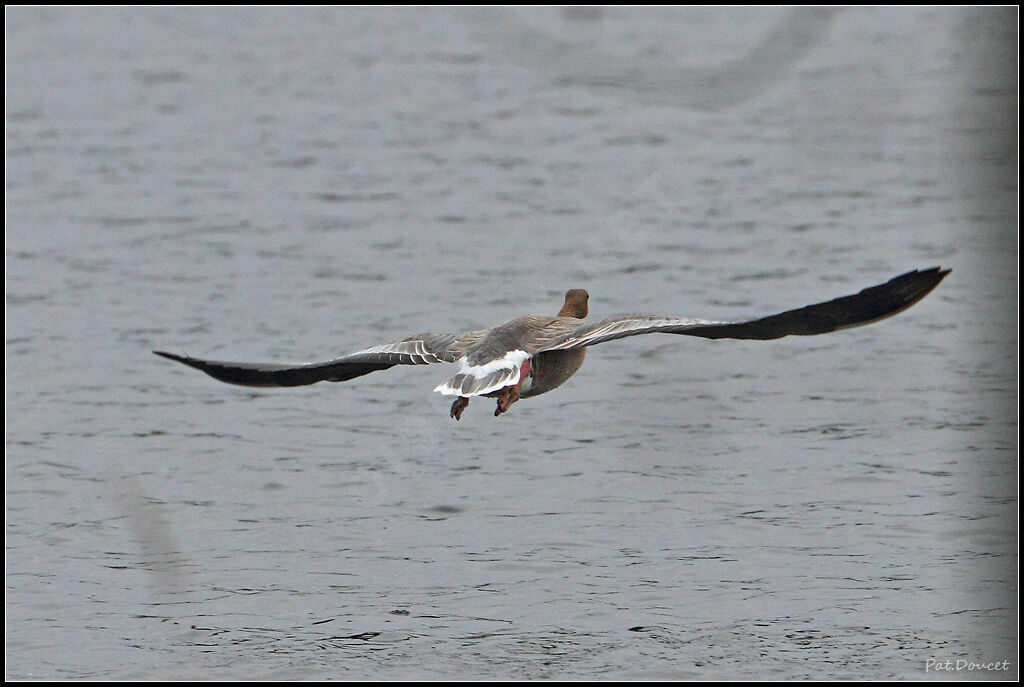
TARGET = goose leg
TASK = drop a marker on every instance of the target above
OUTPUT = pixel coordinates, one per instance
(510, 394)
(460, 405)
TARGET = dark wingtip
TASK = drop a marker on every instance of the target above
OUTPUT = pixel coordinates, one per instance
(915, 285)
(171, 356)
(934, 276)
(938, 270)
(186, 360)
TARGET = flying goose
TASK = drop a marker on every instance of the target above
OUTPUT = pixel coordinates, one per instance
(534, 354)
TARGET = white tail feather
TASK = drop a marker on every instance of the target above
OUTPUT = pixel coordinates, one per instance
(478, 380)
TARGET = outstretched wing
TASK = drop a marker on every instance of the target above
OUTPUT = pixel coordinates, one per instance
(872, 304)
(421, 349)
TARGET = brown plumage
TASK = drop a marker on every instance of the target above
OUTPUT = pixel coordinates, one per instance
(575, 305)
(533, 354)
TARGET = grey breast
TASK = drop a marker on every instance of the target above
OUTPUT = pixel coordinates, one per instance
(551, 369)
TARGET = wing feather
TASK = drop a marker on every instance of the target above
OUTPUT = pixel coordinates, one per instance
(422, 349)
(869, 305)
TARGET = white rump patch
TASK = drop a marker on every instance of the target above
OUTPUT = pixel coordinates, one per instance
(477, 380)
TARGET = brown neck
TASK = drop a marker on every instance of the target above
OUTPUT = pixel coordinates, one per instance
(575, 304)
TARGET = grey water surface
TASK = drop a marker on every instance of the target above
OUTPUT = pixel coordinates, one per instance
(297, 183)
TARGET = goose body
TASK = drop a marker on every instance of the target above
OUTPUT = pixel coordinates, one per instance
(533, 354)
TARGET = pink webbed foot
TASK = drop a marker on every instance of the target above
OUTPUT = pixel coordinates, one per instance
(460, 405)
(510, 394)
